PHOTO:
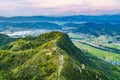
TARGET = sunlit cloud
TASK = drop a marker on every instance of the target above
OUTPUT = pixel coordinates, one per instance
(58, 7)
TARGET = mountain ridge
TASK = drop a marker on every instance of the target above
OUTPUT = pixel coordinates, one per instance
(63, 18)
(51, 56)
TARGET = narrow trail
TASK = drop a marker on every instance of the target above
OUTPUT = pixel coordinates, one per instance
(60, 60)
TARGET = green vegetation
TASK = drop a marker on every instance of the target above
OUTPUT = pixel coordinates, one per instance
(99, 53)
(73, 36)
(51, 56)
(4, 40)
(116, 46)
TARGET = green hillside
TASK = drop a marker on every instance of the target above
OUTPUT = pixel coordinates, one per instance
(3, 39)
(50, 56)
(98, 52)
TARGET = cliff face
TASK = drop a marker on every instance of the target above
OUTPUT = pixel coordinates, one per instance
(51, 56)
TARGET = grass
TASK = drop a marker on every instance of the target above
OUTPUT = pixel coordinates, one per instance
(113, 46)
(73, 36)
(99, 53)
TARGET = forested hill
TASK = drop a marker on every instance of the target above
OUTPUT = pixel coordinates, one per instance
(96, 29)
(50, 56)
(4, 39)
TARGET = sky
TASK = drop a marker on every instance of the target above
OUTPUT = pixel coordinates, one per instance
(58, 7)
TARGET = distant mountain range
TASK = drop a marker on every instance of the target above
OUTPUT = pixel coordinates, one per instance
(94, 25)
(95, 28)
(50, 56)
(74, 18)
(28, 25)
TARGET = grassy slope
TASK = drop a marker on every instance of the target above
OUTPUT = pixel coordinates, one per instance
(99, 53)
(116, 46)
(51, 56)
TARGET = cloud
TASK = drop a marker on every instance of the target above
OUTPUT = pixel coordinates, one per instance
(59, 3)
(58, 7)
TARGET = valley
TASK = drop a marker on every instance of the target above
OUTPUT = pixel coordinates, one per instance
(60, 48)
(59, 39)
(98, 46)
